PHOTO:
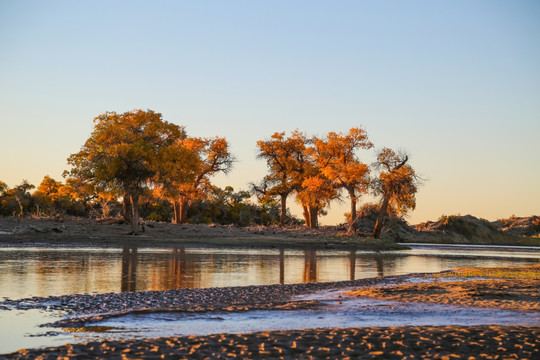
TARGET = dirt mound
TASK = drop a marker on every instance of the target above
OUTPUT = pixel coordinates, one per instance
(395, 228)
(462, 229)
(519, 226)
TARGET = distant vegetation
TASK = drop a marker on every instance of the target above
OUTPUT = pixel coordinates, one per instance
(136, 165)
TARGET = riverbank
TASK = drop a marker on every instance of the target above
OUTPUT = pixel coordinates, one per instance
(478, 341)
(81, 232)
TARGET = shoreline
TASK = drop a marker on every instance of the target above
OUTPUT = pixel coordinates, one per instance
(80, 232)
(90, 233)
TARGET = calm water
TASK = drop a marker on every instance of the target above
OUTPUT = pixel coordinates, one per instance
(27, 272)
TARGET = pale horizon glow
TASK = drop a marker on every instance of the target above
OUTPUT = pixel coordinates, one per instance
(456, 84)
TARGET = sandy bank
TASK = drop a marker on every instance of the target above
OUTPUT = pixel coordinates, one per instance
(476, 342)
(508, 288)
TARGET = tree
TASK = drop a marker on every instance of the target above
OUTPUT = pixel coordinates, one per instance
(285, 157)
(122, 154)
(179, 166)
(18, 200)
(46, 194)
(3, 187)
(209, 156)
(397, 185)
(338, 159)
(315, 194)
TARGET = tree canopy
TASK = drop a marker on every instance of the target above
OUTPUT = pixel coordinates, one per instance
(397, 185)
(138, 157)
(124, 153)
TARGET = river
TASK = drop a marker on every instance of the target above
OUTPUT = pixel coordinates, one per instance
(27, 272)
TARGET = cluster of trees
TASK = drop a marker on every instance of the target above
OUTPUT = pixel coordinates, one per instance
(139, 165)
(50, 197)
(132, 154)
(318, 170)
(54, 198)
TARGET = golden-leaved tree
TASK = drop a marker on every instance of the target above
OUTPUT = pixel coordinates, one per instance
(285, 157)
(337, 158)
(123, 154)
(397, 185)
(185, 174)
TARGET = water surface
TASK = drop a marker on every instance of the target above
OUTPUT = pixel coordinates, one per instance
(27, 272)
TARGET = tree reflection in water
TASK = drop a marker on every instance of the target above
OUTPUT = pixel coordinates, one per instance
(380, 267)
(281, 266)
(310, 266)
(352, 264)
(178, 274)
(129, 269)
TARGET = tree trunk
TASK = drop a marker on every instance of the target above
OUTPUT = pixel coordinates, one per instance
(283, 212)
(176, 209)
(314, 217)
(380, 218)
(180, 210)
(126, 207)
(183, 210)
(20, 206)
(135, 214)
(352, 195)
(306, 216)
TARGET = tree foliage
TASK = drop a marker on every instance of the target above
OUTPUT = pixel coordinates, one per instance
(337, 155)
(160, 173)
(225, 207)
(285, 158)
(124, 152)
(397, 185)
(17, 201)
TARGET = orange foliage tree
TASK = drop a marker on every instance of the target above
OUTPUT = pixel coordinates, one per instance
(337, 157)
(397, 185)
(178, 167)
(123, 153)
(189, 179)
(314, 195)
(285, 157)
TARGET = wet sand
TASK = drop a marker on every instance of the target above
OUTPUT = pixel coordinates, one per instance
(475, 342)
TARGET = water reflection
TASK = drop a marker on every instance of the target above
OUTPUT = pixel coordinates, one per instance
(282, 266)
(310, 266)
(129, 269)
(26, 272)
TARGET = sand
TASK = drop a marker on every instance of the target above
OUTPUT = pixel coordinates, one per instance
(508, 288)
(476, 342)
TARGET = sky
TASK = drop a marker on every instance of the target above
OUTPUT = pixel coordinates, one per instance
(456, 84)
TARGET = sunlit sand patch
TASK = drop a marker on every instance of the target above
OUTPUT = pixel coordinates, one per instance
(427, 342)
(504, 288)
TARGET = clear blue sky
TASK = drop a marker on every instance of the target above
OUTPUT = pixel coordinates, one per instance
(454, 83)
